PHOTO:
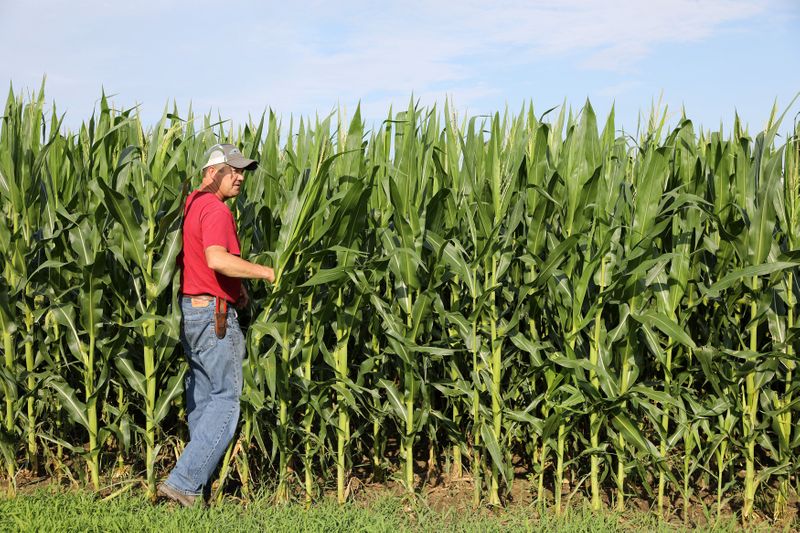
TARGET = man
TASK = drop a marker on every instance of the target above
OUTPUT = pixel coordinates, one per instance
(211, 272)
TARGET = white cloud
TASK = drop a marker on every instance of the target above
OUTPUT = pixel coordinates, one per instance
(301, 57)
(422, 46)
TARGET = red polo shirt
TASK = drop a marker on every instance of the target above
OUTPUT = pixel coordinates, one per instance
(207, 221)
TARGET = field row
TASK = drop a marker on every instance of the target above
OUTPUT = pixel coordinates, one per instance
(482, 296)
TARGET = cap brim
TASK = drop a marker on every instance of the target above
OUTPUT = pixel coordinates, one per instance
(239, 161)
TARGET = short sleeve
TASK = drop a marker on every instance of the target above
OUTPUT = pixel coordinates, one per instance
(217, 229)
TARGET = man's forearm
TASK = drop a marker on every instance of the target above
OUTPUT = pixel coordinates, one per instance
(223, 262)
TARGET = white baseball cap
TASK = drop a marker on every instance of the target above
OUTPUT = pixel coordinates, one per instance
(229, 154)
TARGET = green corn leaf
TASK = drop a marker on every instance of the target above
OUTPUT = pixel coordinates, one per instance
(173, 389)
(69, 399)
(666, 325)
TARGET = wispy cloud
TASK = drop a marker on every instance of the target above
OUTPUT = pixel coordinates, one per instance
(301, 57)
(619, 89)
(422, 46)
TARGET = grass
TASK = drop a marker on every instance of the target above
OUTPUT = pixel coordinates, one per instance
(52, 509)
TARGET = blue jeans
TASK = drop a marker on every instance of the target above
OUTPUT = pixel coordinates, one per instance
(213, 388)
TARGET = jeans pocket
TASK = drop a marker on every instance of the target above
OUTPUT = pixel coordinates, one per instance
(198, 336)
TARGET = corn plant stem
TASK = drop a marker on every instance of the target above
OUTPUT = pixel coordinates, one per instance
(121, 407)
(540, 496)
(91, 407)
(409, 429)
(662, 479)
(497, 419)
(379, 437)
(148, 330)
(751, 407)
(621, 439)
(689, 438)
(8, 386)
(720, 470)
(562, 435)
(594, 425)
(282, 492)
(785, 418)
(409, 400)
(9, 389)
(594, 418)
(10, 353)
(244, 469)
(308, 459)
(539, 451)
(57, 403)
(723, 447)
(476, 414)
(149, 334)
(33, 456)
(687, 458)
(344, 422)
(783, 493)
(432, 454)
(793, 171)
(120, 401)
(456, 470)
(377, 448)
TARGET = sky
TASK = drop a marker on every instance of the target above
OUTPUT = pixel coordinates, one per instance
(236, 59)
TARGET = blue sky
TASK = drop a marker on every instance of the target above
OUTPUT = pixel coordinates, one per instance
(713, 57)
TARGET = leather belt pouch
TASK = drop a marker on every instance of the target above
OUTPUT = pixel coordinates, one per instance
(220, 317)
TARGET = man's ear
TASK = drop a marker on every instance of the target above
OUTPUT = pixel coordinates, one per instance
(215, 172)
(222, 171)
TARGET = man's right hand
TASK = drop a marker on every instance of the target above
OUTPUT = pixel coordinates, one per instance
(269, 274)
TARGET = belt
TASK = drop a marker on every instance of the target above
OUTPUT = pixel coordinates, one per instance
(200, 296)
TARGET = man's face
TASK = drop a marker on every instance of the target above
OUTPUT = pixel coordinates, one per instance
(230, 181)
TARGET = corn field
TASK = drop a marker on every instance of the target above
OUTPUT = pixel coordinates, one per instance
(517, 296)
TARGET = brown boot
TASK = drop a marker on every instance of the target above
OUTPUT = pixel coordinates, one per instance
(187, 500)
